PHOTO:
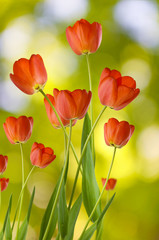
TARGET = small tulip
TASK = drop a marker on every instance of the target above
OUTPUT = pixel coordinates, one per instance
(51, 115)
(18, 130)
(83, 37)
(4, 183)
(110, 184)
(29, 75)
(116, 91)
(3, 163)
(41, 156)
(72, 105)
(117, 133)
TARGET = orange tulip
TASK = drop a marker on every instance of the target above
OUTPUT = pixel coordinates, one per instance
(18, 130)
(83, 37)
(110, 184)
(116, 91)
(29, 75)
(117, 133)
(4, 183)
(51, 115)
(72, 105)
(41, 156)
(3, 163)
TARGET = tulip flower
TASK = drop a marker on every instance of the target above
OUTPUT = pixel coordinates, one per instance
(18, 130)
(72, 105)
(41, 156)
(110, 184)
(116, 91)
(83, 37)
(52, 116)
(3, 163)
(4, 183)
(117, 133)
(29, 75)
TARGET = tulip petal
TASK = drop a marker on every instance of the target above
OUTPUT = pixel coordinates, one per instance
(109, 130)
(96, 37)
(73, 40)
(122, 134)
(22, 84)
(126, 81)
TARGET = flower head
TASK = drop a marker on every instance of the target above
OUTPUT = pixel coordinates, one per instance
(29, 75)
(84, 37)
(52, 116)
(72, 105)
(117, 133)
(18, 130)
(3, 163)
(4, 183)
(41, 156)
(110, 184)
(116, 91)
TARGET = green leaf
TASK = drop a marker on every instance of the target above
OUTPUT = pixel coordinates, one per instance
(73, 214)
(90, 189)
(8, 230)
(89, 232)
(24, 227)
(63, 212)
(6, 218)
(47, 213)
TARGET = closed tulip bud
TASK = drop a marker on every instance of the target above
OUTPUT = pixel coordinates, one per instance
(84, 37)
(72, 105)
(4, 183)
(117, 133)
(3, 163)
(116, 91)
(29, 75)
(18, 130)
(41, 156)
(110, 184)
(52, 116)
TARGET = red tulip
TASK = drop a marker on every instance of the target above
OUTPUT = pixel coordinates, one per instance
(29, 75)
(84, 37)
(72, 105)
(116, 91)
(110, 184)
(51, 115)
(41, 156)
(18, 130)
(117, 133)
(4, 183)
(3, 163)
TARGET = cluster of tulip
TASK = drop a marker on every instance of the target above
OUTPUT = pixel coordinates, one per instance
(64, 108)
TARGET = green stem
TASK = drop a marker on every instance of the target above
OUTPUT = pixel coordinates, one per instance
(60, 184)
(90, 217)
(63, 128)
(22, 190)
(83, 151)
(91, 104)
(22, 195)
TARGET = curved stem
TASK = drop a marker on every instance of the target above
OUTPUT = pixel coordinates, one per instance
(83, 151)
(60, 184)
(22, 190)
(103, 189)
(62, 126)
(91, 103)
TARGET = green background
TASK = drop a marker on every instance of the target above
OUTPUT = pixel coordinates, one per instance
(130, 44)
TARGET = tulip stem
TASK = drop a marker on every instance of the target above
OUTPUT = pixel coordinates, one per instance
(91, 105)
(22, 190)
(63, 128)
(60, 183)
(90, 217)
(21, 199)
(83, 151)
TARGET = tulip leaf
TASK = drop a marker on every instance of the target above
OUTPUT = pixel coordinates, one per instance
(8, 230)
(73, 214)
(47, 213)
(6, 218)
(63, 212)
(90, 189)
(24, 227)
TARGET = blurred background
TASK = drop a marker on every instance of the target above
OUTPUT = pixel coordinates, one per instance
(130, 44)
